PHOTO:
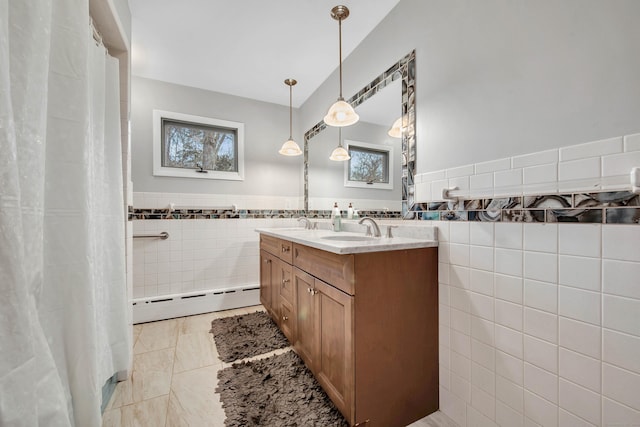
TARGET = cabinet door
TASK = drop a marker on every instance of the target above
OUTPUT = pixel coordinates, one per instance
(334, 362)
(267, 265)
(306, 339)
(284, 287)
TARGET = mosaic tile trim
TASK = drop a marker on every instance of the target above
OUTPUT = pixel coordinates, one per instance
(612, 207)
(163, 213)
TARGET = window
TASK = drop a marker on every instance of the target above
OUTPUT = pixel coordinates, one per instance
(370, 166)
(197, 147)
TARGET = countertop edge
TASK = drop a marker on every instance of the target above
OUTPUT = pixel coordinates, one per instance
(382, 245)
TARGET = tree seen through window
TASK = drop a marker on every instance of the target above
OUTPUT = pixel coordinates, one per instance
(370, 166)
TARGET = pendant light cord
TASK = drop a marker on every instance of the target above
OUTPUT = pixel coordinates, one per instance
(290, 113)
(340, 50)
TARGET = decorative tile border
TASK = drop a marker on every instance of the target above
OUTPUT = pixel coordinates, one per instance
(163, 213)
(613, 207)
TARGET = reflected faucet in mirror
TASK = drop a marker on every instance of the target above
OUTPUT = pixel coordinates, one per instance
(308, 225)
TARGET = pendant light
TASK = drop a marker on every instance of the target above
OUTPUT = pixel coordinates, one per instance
(396, 129)
(341, 113)
(290, 148)
(339, 154)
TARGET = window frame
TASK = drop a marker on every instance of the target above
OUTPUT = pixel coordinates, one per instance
(373, 147)
(160, 170)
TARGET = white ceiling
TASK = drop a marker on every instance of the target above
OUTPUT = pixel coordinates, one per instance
(247, 47)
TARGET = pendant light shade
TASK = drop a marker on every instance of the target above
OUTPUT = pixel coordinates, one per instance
(396, 129)
(339, 154)
(290, 148)
(340, 113)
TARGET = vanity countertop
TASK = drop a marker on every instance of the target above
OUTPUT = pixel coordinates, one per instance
(346, 242)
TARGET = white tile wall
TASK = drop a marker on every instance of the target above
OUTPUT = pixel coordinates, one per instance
(493, 166)
(591, 149)
(613, 164)
(163, 200)
(535, 159)
(545, 318)
(579, 169)
(540, 174)
(198, 255)
(631, 143)
(593, 166)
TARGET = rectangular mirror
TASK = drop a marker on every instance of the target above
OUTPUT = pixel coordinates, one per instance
(389, 99)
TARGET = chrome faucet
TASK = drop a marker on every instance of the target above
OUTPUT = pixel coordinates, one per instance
(307, 223)
(376, 229)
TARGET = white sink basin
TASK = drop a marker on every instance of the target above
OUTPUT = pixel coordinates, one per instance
(349, 238)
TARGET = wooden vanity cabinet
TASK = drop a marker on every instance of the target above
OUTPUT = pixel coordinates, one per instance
(267, 263)
(276, 282)
(366, 325)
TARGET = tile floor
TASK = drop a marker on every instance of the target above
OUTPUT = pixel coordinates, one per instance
(175, 366)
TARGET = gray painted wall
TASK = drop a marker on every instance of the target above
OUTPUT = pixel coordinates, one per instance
(497, 78)
(266, 128)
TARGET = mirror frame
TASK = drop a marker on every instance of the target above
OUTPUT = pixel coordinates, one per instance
(404, 69)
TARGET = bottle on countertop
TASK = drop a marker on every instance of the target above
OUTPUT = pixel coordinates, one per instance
(336, 220)
(350, 212)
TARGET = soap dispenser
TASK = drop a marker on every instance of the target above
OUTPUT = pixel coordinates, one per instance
(350, 212)
(335, 217)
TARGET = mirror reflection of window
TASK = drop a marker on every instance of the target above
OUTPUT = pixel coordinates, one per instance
(371, 165)
(368, 165)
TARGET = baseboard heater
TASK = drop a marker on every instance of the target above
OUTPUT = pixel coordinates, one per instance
(187, 304)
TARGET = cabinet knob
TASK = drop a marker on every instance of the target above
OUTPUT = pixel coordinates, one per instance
(286, 249)
(285, 317)
(267, 261)
(314, 291)
(284, 281)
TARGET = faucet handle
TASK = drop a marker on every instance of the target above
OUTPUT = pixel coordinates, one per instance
(389, 228)
(368, 233)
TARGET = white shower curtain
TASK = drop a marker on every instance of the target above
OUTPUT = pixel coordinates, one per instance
(64, 318)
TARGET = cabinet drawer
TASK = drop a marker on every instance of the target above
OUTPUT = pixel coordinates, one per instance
(269, 244)
(286, 251)
(283, 249)
(329, 267)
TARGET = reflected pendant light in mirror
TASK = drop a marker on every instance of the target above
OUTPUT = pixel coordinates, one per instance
(341, 113)
(339, 154)
(290, 147)
(396, 129)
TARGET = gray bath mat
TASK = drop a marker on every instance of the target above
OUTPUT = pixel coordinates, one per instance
(246, 335)
(278, 391)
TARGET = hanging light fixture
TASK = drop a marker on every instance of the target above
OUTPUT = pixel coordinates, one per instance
(396, 129)
(341, 113)
(290, 148)
(339, 154)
